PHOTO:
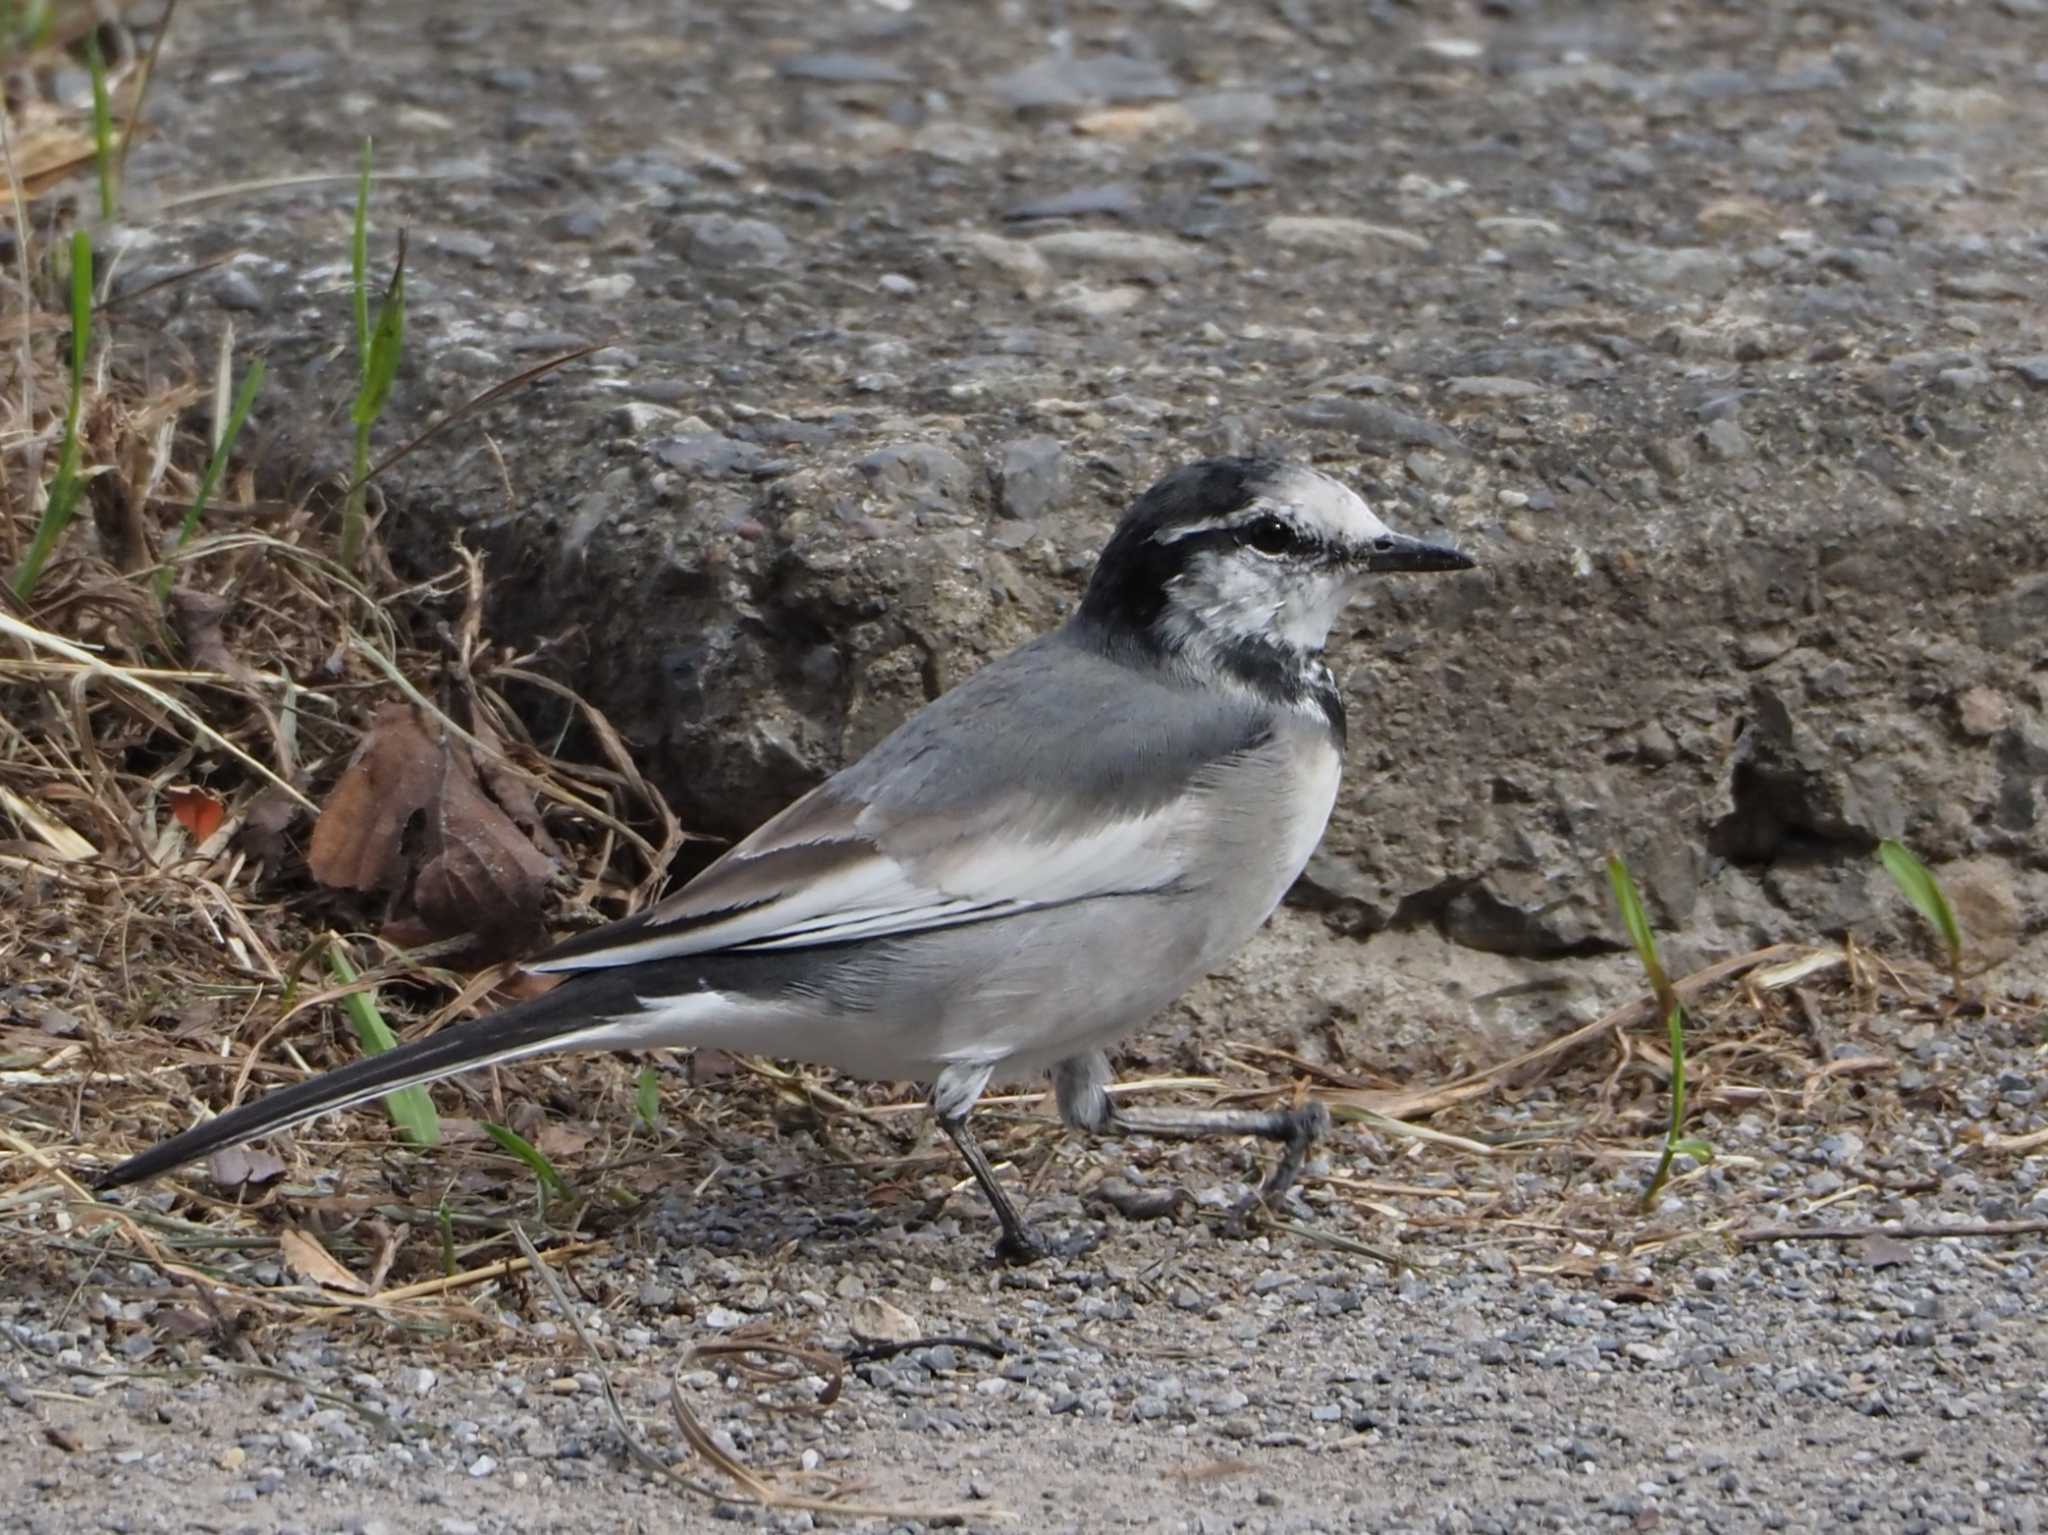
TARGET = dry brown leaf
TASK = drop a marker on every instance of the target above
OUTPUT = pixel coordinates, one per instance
(312, 1263)
(408, 815)
(481, 874)
(45, 157)
(359, 840)
(514, 792)
(558, 1142)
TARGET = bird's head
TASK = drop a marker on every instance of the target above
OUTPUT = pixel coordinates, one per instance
(1239, 555)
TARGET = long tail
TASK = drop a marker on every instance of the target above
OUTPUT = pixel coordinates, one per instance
(570, 1017)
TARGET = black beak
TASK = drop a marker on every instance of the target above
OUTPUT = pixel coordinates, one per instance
(1398, 553)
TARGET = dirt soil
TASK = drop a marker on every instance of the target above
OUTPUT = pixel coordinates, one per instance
(1784, 248)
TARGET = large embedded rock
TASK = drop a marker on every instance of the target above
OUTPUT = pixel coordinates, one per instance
(1756, 479)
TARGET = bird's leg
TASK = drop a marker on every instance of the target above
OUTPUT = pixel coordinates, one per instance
(953, 1099)
(1081, 1084)
(1019, 1243)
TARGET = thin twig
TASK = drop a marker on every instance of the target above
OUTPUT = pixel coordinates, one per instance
(287, 183)
(1394, 1261)
(871, 1353)
(1628, 1015)
(503, 1268)
(156, 46)
(476, 402)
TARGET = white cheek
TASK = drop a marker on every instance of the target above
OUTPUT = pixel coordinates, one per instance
(1311, 610)
(1229, 597)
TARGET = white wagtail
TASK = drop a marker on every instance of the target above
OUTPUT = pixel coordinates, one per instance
(1029, 868)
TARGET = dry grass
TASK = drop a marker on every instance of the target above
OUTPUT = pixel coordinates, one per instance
(162, 760)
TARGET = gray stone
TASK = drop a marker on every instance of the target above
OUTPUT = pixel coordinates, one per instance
(1726, 441)
(1061, 80)
(2033, 369)
(234, 288)
(720, 240)
(1983, 287)
(708, 453)
(1011, 264)
(1030, 476)
(1788, 783)
(921, 472)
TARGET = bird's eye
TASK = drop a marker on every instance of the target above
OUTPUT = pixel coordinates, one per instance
(1268, 535)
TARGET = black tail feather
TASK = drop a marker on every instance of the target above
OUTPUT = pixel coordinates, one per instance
(527, 1028)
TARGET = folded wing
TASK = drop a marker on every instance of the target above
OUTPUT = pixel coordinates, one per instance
(831, 870)
(1056, 774)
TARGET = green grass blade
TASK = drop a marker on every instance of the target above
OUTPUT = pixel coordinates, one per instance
(515, 1144)
(410, 1107)
(1674, 1144)
(81, 313)
(62, 504)
(387, 342)
(647, 1097)
(1919, 886)
(1637, 922)
(380, 368)
(102, 123)
(1674, 1029)
(245, 397)
(359, 266)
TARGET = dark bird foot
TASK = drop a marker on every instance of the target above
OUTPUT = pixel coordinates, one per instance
(1024, 1245)
(1301, 1127)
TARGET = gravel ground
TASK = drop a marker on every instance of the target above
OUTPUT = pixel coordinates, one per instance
(1551, 1359)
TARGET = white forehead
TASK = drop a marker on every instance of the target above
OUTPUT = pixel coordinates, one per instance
(1326, 505)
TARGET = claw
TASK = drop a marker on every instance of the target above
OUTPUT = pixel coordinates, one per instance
(1025, 1246)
